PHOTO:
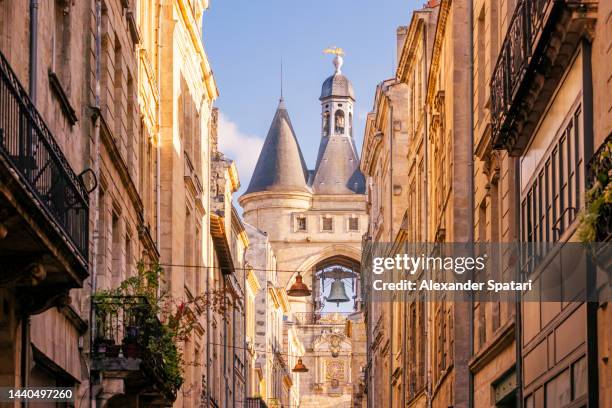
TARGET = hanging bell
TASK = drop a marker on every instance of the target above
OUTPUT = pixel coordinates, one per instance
(300, 367)
(337, 294)
(298, 288)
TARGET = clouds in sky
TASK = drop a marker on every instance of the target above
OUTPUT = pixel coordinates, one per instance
(241, 147)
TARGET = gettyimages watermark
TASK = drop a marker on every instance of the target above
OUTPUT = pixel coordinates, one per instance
(538, 272)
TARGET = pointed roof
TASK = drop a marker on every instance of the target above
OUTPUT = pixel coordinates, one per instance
(337, 170)
(280, 166)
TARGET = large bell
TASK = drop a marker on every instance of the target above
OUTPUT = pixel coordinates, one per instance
(337, 294)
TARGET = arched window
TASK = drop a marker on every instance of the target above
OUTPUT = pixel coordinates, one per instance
(350, 124)
(326, 123)
(339, 121)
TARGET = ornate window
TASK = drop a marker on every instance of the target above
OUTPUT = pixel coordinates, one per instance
(339, 121)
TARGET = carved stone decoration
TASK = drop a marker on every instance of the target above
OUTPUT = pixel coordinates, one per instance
(334, 370)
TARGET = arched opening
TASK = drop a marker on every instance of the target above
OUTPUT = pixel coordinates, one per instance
(336, 285)
(339, 121)
(326, 124)
(350, 124)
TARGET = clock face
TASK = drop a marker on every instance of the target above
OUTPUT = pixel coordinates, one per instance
(334, 370)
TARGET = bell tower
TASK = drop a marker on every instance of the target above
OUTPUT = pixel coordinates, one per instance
(337, 168)
(337, 100)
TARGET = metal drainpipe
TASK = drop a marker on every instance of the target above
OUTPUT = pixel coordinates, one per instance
(95, 197)
(391, 357)
(158, 144)
(592, 307)
(471, 198)
(34, 4)
(33, 61)
(518, 324)
(425, 214)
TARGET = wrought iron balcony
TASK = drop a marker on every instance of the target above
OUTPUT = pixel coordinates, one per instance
(32, 157)
(256, 402)
(128, 341)
(542, 38)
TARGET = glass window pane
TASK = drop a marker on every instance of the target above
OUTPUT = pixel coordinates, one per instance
(558, 391)
(580, 378)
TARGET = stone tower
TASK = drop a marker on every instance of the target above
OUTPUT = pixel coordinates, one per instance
(315, 220)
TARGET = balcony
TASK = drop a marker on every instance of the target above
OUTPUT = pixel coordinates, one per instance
(542, 38)
(256, 402)
(128, 344)
(43, 204)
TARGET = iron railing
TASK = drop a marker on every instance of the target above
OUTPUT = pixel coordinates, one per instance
(525, 27)
(255, 402)
(128, 327)
(29, 147)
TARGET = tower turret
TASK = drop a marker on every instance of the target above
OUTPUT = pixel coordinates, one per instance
(337, 169)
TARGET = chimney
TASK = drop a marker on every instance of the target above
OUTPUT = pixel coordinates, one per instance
(401, 32)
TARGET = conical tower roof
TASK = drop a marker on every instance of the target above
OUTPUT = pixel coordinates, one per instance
(337, 170)
(280, 166)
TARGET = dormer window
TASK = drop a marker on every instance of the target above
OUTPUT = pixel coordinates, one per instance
(339, 121)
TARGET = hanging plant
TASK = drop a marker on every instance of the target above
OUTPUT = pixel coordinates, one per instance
(154, 323)
(597, 215)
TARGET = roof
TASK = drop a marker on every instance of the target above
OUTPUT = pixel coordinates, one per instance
(337, 85)
(280, 166)
(337, 170)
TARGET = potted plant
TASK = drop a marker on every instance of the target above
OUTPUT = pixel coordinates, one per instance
(101, 345)
(131, 348)
(112, 349)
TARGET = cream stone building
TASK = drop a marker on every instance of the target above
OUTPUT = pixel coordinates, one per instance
(313, 221)
(47, 112)
(514, 164)
(394, 160)
(100, 103)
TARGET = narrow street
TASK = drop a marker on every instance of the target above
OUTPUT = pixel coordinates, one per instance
(206, 204)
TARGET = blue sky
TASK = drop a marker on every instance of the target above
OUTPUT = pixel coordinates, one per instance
(245, 40)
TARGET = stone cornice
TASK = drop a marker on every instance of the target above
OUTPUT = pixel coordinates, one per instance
(437, 49)
(207, 75)
(406, 60)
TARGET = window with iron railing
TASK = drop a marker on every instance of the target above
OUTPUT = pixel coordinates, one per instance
(551, 201)
(552, 196)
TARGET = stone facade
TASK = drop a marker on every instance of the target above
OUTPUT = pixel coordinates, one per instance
(46, 123)
(311, 220)
(140, 131)
(482, 173)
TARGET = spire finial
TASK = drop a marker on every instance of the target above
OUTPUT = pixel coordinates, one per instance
(338, 60)
(281, 79)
